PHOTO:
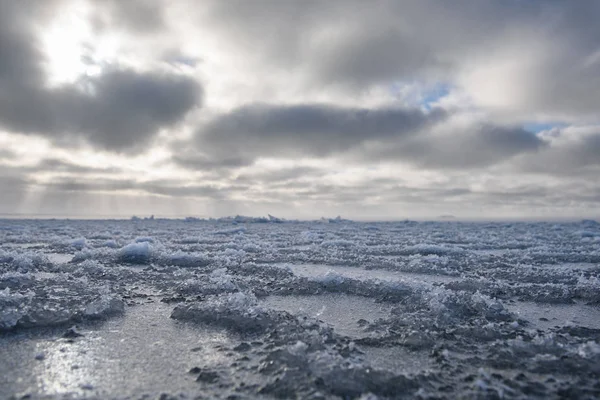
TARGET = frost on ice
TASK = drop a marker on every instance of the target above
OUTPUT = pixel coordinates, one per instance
(324, 309)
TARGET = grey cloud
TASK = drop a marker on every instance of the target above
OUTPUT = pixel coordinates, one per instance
(138, 16)
(195, 160)
(279, 176)
(119, 110)
(7, 155)
(357, 44)
(306, 130)
(58, 165)
(173, 188)
(567, 156)
(477, 146)
(377, 134)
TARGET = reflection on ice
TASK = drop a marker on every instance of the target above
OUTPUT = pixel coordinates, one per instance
(144, 351)
(340, 311)
(59, 258)
(545, 316)
(397, 359)
(319, 270)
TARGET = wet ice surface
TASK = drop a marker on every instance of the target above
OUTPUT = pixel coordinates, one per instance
(238, 309)
(545, 316)
(317, 271)
(143, 351)
(344, 313)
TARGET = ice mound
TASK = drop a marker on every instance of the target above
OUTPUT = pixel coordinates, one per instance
(23, 261)
(183, 259)
(78, 243)
(238, 311)
(111, 244)
(136, 253)
(231, 231)
(219, 281)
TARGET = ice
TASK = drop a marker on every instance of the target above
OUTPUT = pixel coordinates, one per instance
(259, 307)
(78, 243)
(136, 253)
(59, 258)
(141, 352)
(111, 244)
(103, 307)
(318, 270)
(183, 259)
(342, 312)
(545, 316)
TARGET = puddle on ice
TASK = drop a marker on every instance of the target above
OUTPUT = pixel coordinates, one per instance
(397, 359)
(59, 258)
(318, 270)
(143, 352)
(557, 314)
(341, 311)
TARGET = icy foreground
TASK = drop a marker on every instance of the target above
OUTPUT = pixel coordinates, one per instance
(240, 309)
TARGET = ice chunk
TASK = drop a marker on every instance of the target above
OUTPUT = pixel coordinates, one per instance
(183, 259)
(111, 244)
(78, 243)
(237, 311)
(103, 307)
(136, 253)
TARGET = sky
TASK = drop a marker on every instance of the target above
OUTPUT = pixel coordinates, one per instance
(373, 110)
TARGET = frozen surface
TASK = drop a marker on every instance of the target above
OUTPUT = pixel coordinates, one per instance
(346, 314)
(319, 271)
(142, 352)
(265, 308)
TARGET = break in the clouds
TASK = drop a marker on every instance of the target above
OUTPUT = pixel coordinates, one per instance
(380, 109)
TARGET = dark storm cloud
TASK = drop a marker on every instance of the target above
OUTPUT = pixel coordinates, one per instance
(306, 130)
(119, 110)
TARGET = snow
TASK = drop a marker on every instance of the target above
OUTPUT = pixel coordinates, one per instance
(322, 309)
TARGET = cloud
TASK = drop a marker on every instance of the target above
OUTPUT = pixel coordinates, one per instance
(533, 59)
(461, 145)
(119, 110)
(433, 140)
(279, 176)
(302, 104)
(307, 130)
(138, 16)
(570, 151)
(165, 187)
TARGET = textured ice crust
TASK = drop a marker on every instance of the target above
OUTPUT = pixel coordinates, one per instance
(461, 299)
